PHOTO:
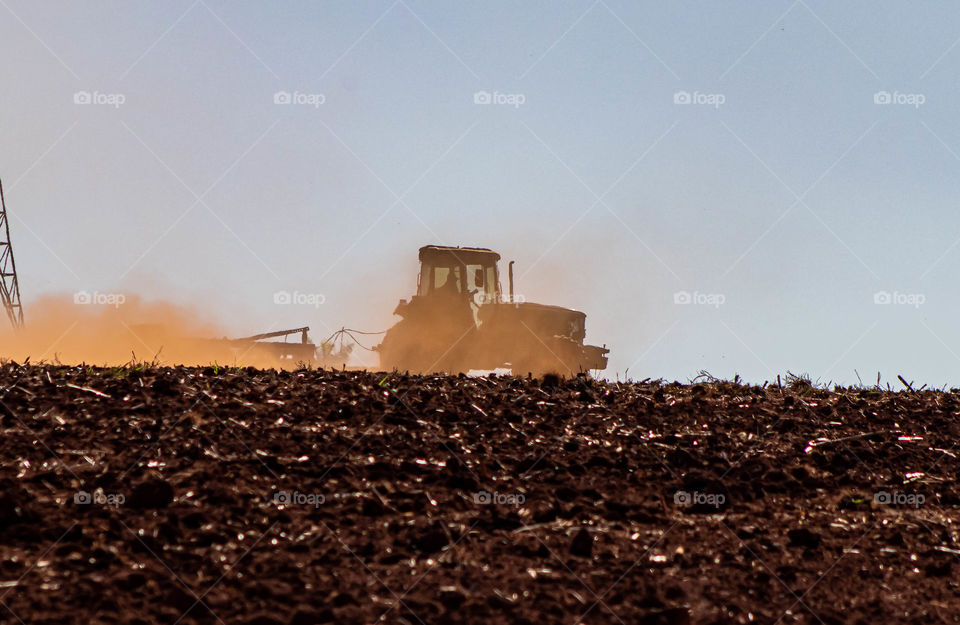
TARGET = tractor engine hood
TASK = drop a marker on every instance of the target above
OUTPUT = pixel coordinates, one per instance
(543, 319)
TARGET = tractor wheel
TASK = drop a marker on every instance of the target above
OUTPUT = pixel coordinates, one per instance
(403, 349)
(560, 358)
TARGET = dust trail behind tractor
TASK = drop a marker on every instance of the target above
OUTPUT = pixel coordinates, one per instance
(257, 350)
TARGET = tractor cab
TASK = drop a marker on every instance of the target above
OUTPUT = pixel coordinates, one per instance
(469, 273)
(455, 282)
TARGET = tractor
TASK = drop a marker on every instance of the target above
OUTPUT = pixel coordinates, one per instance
(459, 320)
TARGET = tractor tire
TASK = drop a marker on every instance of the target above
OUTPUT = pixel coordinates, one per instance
(560, 357)
(400, 351)
(403, 350)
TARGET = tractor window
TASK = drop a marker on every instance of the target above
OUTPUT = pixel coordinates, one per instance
(472, 277)
(490, 285)
(440, 275)
(447, 276)
(425, 279)
(447, 280)
(482, 279)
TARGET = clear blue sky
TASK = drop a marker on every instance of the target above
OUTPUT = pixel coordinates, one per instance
(788, 188)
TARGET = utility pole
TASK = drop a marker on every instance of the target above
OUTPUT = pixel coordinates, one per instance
(9, 285)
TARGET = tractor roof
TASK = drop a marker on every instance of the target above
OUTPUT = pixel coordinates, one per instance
(466, 255)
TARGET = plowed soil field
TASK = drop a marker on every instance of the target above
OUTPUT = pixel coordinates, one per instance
(183, 495)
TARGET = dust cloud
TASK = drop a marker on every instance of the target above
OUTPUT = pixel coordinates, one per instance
(444, 336)
(120, 329)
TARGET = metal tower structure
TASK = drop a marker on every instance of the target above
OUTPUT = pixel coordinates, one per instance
(9, 285)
